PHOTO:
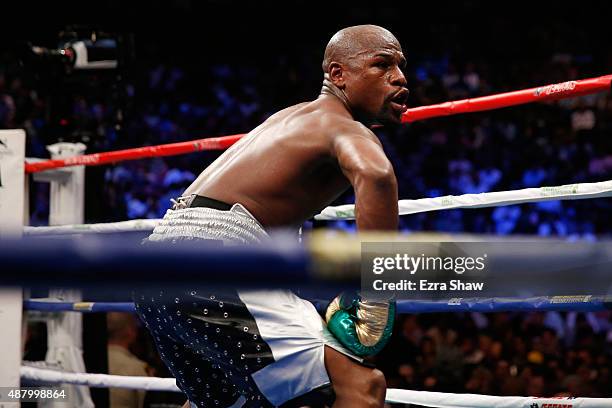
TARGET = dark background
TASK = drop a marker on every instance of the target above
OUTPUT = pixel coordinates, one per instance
(188, 29)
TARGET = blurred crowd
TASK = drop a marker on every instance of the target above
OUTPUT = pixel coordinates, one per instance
(535, 354)
(549, 144)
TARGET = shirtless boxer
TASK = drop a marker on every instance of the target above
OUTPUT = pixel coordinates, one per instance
(271, 348)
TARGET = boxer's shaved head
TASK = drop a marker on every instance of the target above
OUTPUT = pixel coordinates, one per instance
(350, 43)
(362, 67)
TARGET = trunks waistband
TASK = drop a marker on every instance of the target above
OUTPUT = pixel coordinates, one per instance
(194, 200)
(207, 202)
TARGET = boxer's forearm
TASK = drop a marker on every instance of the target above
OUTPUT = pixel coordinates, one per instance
(376, 202)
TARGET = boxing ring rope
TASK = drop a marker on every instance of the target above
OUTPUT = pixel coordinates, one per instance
(171, 149)
(279, 261)
(587, 303)
(449, 400)
(49, 376)
(99, 228)
(57, 305)
(578, 191)
(394, 396)
(540, 94)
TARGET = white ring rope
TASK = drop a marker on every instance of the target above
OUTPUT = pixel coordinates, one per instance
(447, 400)
(49, 376)
(429, 399)
(347, 212)
(493, 199)
(109, 227)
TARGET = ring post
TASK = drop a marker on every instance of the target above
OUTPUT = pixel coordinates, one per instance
(67, 193)
(12, 181)
(65, 330)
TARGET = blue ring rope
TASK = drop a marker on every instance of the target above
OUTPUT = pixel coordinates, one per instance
(483, 305)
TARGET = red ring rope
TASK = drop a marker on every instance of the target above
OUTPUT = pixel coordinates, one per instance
(552, 92)
(502, 100)
(172, 149)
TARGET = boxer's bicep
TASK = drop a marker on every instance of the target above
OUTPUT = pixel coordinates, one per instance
(359, 156)
(365, 165)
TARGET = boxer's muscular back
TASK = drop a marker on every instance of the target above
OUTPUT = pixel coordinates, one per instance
(284, 171)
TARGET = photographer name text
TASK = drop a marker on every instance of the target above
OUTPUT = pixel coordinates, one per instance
(427, 285)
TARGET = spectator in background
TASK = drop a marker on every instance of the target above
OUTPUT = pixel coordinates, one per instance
(122, 332)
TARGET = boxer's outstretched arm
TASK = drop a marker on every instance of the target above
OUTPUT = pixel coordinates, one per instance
(366, 166)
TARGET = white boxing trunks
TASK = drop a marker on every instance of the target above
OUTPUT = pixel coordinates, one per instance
(234, 348)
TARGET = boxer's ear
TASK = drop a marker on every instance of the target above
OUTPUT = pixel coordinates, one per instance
(337, 74)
